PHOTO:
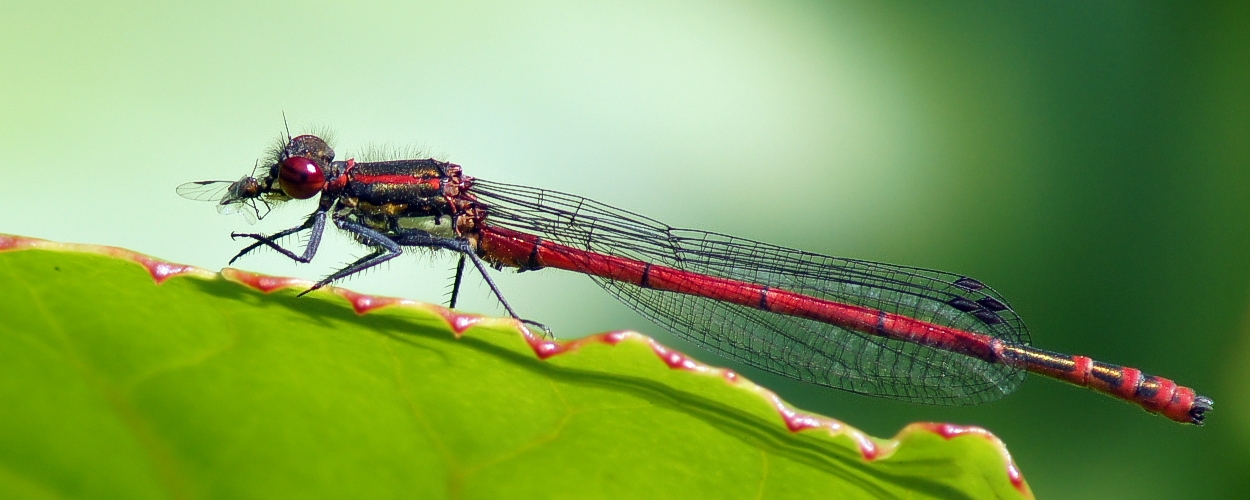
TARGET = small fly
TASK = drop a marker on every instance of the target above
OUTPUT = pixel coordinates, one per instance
(872, 328)
(242, 196)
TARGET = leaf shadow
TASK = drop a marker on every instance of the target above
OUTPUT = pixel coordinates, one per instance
(325, 310)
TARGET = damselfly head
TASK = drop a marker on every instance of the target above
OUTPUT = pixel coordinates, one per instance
(301, 166)
(298, 168)
(310, 146)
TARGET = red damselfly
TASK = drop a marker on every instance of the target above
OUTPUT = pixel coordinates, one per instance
(878, 329)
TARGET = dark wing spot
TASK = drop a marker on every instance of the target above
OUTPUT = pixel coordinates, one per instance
(988, 317)
(963, 304)
(992, 304)
(969, 284)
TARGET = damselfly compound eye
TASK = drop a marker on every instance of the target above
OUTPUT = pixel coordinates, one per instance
(300, 177)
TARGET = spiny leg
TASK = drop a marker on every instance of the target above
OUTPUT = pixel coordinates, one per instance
(466, 250)
(423, 239)
(455, 286)
(317, 222)
(354, 267)
(384, 249)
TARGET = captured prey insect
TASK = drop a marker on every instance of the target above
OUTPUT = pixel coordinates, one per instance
(872, 328)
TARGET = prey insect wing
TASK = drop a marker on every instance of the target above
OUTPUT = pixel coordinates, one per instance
(204, 190)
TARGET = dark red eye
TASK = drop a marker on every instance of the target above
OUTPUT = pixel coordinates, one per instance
(301, 178)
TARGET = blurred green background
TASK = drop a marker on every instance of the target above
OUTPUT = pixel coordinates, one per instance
(1091, 161)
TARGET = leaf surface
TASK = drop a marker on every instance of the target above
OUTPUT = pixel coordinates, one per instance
(122, 376)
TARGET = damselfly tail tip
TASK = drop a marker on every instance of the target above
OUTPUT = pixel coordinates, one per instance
(1198, 412)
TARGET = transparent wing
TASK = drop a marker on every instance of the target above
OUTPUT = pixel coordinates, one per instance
(798, 348)
(249, 209)
(227, 201)
(204, 190)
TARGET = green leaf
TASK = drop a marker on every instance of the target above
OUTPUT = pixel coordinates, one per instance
(204, 386)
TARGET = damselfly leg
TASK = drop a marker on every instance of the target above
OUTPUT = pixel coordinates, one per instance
(316, 222)
(385, 248)
(419, 238)
(455, 285)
